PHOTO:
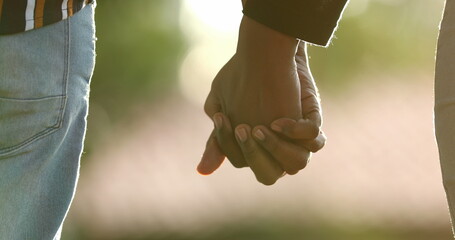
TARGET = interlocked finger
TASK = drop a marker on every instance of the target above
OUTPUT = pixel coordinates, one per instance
(265, 168)
(316, 144)
(290, 156)
(227, 142)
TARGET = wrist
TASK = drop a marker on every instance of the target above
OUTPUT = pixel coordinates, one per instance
(257, 42)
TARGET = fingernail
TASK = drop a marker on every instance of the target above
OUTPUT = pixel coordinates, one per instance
(276, 127)
(218, 121)
(241, 134)
(259, 134)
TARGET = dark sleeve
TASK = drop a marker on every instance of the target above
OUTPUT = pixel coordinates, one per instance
(313, 21)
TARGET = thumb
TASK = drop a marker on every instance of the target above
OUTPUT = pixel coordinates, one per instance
(212, 158)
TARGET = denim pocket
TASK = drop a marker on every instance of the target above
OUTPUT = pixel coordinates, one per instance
(23, 121)
(33, 80)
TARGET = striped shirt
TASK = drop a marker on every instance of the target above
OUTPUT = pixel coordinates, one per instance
(23, 15)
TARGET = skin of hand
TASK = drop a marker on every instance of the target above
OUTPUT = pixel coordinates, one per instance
(309, 125)
(257, 98)
(301, 132)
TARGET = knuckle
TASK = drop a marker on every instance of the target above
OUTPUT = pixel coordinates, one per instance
(292, 172)
(298, 162)
(207, 108)
(296, 167)
(315, 149)
(313, 131)
(301, 164)
(318, 146)
(236, 159)
(305, 155)
(270, 178)
(313, 146)
(238, 164)
(323, 139)
(268, 181)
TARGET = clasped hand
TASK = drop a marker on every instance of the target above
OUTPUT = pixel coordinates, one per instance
(265, 108)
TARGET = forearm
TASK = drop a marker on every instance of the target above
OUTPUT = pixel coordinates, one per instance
(262, 47)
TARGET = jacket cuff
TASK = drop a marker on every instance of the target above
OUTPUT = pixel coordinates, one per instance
(309, 20)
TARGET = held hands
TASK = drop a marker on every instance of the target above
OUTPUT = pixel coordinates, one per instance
(267, 79)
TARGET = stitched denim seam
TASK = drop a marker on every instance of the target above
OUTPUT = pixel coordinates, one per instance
(65, 72)
(32, 99)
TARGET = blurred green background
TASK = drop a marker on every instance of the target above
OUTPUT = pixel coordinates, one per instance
(378, 36)
(147, 130)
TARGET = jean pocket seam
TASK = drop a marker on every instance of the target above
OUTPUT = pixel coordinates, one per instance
(53, 126)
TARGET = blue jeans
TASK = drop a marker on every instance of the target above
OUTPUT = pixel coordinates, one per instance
(44, 88)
